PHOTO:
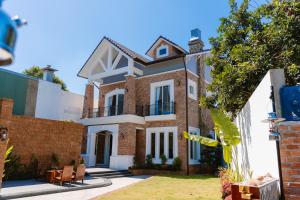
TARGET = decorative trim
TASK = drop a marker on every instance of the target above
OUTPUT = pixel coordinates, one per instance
(193, 73)
(194, 85)
(167, 72)
(157, 131)
(191, 161)
(163, 46)
(113, 120)
(112, 83)
(158, 84)
(160, 117)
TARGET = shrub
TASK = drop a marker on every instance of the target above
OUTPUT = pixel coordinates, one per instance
(54, 161)
(177, 163)
(12, 167)
(149, 162)
(163, 159)
(32, 169)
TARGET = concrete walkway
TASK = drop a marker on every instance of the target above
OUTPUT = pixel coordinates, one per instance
(117, 183)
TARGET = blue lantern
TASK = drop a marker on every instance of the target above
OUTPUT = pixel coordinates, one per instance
(8, 36)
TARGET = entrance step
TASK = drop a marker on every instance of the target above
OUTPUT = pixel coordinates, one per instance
(110, 174)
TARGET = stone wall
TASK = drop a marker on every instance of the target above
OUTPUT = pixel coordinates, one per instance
(41, 137)
(290, 158)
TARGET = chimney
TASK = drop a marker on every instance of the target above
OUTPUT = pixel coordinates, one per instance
(195, 43)
(48, 73)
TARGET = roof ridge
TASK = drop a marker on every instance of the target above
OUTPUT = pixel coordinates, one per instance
(128, 51)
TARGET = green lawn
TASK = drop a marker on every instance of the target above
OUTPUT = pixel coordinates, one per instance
(170, 188)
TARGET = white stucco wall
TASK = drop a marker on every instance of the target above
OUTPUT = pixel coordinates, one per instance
(54, 103)
(256, 152)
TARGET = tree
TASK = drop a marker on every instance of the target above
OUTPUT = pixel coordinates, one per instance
(249, 43)
(37, 72)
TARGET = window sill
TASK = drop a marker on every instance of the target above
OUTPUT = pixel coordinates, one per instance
(194, 162)
(160, 117)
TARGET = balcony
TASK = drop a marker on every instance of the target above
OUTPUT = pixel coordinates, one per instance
(106, 111)
(160, 108)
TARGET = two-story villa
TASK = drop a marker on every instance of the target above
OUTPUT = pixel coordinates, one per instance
(144, 105)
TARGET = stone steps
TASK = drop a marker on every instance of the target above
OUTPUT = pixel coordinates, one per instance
(110, 174)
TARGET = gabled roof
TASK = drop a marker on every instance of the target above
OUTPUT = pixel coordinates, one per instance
(127, 51)
(167, 41)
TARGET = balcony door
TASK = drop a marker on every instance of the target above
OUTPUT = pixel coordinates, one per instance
(115, 104)
(162, 100)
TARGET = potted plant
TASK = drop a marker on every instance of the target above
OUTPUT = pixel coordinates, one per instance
(163, 159)
(54, 161)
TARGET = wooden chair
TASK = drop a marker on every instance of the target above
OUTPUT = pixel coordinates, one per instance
(80, 172)
(64, 176)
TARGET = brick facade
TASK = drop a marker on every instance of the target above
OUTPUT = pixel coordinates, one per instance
(290, 159)
(88, 103)
(130, 95)
(41, 137)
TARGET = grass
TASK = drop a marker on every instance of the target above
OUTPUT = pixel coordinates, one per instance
(170, 188)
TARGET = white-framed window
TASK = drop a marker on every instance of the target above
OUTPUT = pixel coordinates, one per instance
(194, 147)
(162, 141)
(114, 101)
(162, 98)
(162, 51)
(192, 89)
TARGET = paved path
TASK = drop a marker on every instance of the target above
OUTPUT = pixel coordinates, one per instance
(117, 183)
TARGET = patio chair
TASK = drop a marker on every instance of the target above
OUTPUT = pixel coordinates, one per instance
(80, 172)
(64, 176)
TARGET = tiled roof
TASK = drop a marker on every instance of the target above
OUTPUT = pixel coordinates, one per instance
(129, 52)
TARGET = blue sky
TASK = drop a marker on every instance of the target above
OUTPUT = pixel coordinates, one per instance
(64, 33)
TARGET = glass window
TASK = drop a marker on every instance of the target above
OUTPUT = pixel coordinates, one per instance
(153, 145)
(171, 145)
(191, 89)
(163, 51)
(161, 144)
(194, 154)
(162, 100)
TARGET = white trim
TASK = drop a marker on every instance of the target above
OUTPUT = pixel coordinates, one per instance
(193, 84)
(111, 93)
(163, 46)
(157, 131)
(113, 120)
(91, 141)
(112, 83)
(159, 84)
(198, 146)
(160, 117)
(193, 73)
(167, 72)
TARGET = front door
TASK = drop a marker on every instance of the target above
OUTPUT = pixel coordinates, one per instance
(100, 149)
(103, 149)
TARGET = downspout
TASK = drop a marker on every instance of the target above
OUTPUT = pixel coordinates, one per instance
(187, 116)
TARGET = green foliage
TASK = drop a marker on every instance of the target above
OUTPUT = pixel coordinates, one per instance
(37, 72)
(177, 163)
(249, 43)
(14, 170)
(54, 161)
(163, 159)
(149, 162)
(6, 157)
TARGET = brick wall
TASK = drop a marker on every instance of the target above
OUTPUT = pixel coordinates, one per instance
(290, 159)
(41, 137)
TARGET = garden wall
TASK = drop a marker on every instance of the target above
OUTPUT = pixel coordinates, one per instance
(256, 152)
(42, 137)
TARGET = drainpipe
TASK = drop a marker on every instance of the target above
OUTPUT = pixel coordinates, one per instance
(187, 116)
(272, 97)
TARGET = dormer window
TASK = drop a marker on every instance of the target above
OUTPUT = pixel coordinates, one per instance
(162, 51)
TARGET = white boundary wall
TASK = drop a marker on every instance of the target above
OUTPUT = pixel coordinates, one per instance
(54, 103)
(256, 152)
